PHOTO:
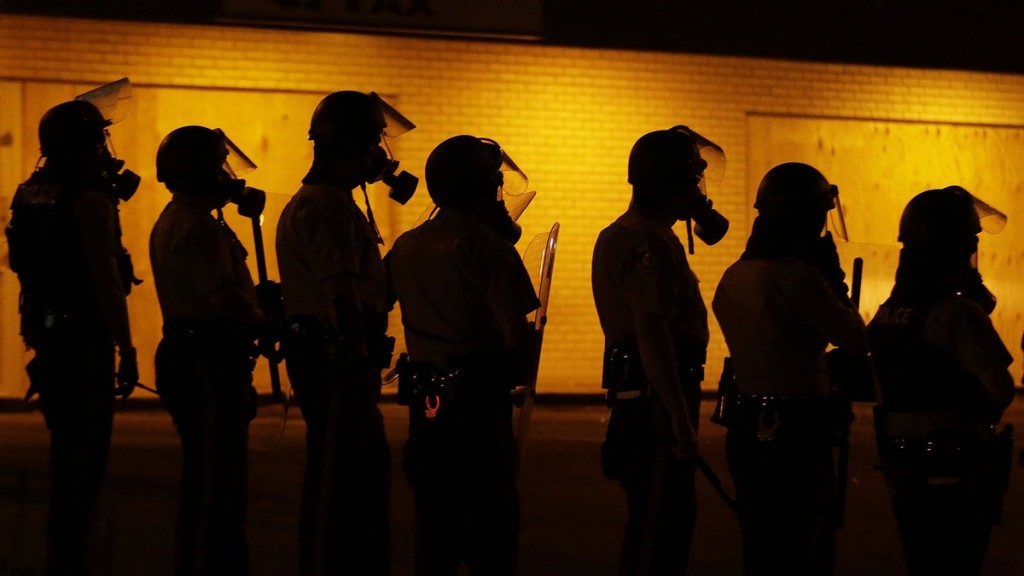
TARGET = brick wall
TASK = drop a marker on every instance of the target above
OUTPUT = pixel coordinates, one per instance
(568, 117)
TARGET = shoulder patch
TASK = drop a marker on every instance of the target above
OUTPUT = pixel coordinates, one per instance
(645, 259)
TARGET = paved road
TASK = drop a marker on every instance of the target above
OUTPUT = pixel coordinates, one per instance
(571, 515)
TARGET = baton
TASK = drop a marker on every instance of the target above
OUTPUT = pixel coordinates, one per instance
(261, 272)
(716, 483)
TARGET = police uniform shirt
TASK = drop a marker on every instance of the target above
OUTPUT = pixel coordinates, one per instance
(778, 316)
(640, 268)
(323, 233)
(956, 326)
(455, 279)
(193, 255)
(961, 327)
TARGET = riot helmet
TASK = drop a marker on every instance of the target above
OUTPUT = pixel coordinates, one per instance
(357, 126)
(468, 171)
(204, 162)
(73, 129)
(679, 161)
(939, 231)
(801, 194)
(947, 219)
(75, 133)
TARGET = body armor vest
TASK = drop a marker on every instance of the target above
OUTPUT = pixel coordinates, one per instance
(47, 253)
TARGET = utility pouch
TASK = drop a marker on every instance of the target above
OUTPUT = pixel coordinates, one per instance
(428, 390)
(722, 414)
(623, 376)
(380, 349)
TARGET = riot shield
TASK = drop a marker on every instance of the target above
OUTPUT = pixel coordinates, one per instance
(539, 259)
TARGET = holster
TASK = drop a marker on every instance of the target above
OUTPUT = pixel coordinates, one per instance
(727, 395)
(380, 348)
(623, 377)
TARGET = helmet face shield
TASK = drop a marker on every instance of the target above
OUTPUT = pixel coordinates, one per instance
(513, 180)
(395, 124)
(236, 163)
(836, 220)
(711, 155)
(113, 100)
(992, 220)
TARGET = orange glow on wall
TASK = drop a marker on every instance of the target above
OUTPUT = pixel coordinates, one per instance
(568, 116)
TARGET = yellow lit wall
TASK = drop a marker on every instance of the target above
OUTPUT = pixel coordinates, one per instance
(568, 116)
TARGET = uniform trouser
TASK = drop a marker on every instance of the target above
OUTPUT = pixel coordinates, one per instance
(206, 385)
(343, 522)
(462, 467)
(74, 374)
(660, 489)
(944, 527)
(786, 494)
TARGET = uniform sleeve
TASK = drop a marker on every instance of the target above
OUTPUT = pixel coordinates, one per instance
(839, 324)
(507, 285)
(962, 328)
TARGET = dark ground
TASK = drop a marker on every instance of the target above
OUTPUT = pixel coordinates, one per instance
(571, 515)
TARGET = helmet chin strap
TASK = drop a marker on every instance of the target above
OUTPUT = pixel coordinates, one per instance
(689, 235)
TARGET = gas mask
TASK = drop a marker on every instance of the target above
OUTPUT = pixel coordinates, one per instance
(232, 189)
(250, 201)
(113, 100)
(382, 167)
(123, 183)
(709, 225)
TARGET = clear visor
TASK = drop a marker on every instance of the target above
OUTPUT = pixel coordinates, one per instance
(395, 124)
(514, 180)
(992, 220)
(836, 221)
(712, 155)
(113, 100)
(236, 163)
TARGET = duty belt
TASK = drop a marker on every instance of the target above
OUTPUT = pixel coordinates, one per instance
(765, 415)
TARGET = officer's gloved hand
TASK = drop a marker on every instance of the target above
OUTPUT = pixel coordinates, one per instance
(127, 373)
(822, 254)
(268, 293)
(496, 217)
